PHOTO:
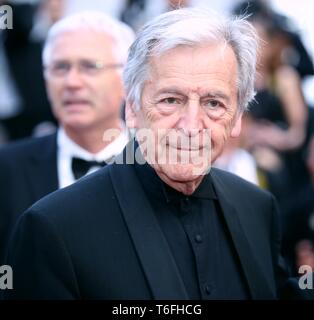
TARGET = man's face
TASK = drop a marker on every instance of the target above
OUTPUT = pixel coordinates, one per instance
(83, 97)
(190, 99)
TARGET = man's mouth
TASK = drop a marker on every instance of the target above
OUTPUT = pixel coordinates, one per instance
(75, 102)
(186, 146)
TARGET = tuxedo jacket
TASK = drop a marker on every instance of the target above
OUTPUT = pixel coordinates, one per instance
(99, 239)
(28, 171)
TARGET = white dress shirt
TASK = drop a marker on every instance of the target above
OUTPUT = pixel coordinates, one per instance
(67, 149)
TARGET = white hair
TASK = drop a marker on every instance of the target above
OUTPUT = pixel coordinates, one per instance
(121, 34)
(192, 27)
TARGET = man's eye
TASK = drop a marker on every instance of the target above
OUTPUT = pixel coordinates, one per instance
(88, 66)
(213, 104)
(62, 66)
(171, 100)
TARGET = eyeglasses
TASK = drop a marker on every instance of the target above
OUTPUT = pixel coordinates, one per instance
(85, 67)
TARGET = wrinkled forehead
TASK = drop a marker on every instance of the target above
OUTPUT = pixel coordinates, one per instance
(210, 51)
(216, 60)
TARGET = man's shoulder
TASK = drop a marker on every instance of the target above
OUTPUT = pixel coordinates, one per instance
(82, 197)
(255, 207)
(237, 186)
(20, 149)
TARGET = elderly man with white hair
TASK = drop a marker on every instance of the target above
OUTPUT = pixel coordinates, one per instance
(157, 223)
(83, 59)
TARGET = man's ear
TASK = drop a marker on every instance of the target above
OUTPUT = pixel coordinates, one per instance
(130, 115)
(236, 130)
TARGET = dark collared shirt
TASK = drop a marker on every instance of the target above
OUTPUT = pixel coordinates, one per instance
(197, 236)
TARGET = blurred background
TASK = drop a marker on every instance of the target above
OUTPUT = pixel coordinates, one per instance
(276, 148)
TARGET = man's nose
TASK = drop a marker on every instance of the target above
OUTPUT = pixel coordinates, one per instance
(191, 121)
(73, 78)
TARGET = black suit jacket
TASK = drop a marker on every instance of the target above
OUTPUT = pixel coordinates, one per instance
(28, 171)
(99, 239)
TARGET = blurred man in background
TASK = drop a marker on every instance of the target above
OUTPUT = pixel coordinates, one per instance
(83, 60)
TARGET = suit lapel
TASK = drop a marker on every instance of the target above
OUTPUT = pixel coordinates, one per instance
(257, 282)
(154, 253)
(42, 171)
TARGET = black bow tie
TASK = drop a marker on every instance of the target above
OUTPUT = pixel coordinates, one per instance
(80, 166)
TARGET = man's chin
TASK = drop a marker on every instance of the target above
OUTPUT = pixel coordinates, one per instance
(183, 173)
(77, 124)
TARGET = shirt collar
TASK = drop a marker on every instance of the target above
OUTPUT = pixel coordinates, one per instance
(204, 191)
(72, 149)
